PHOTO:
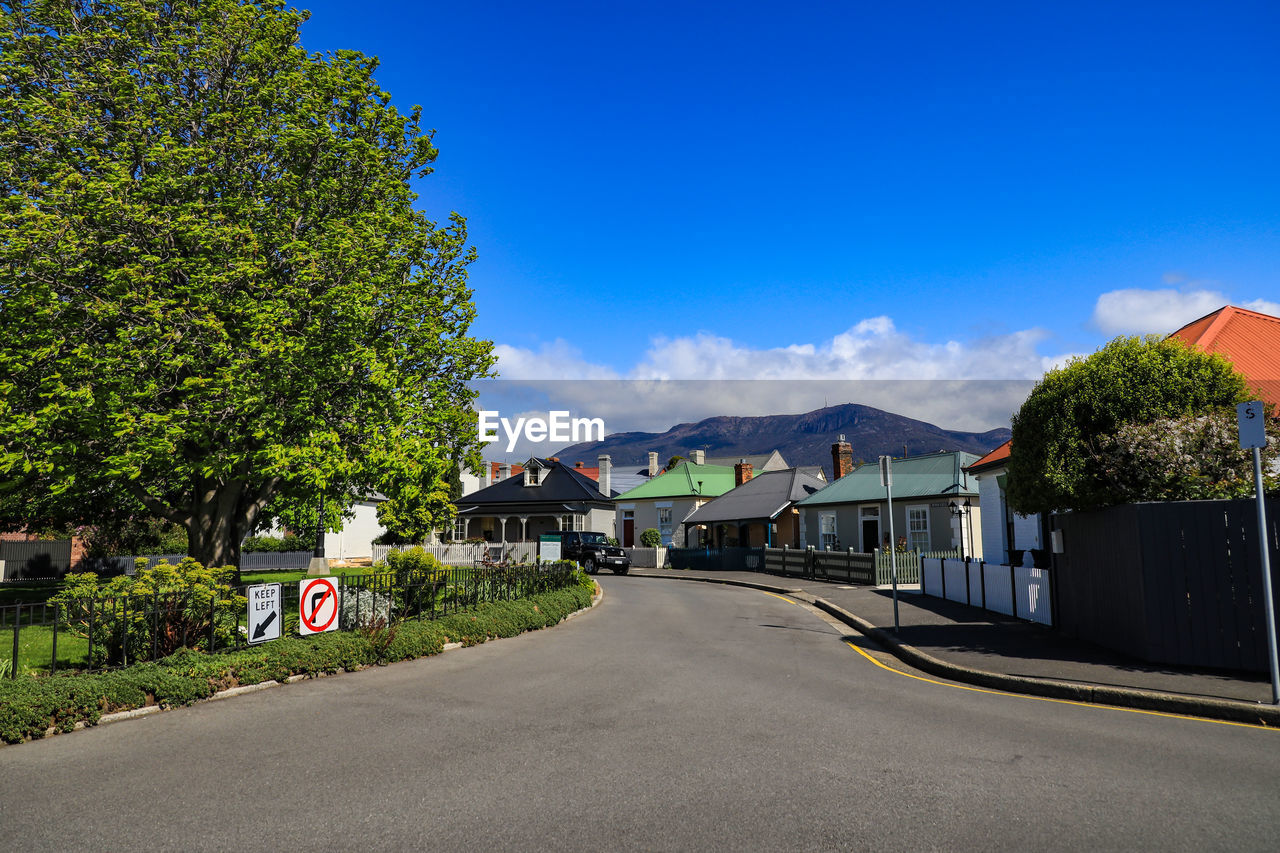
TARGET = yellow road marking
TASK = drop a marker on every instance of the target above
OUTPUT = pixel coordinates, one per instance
(1056, 701)
(1028, 696)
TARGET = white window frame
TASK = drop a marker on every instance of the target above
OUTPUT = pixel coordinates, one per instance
(460, 528)
(917, 538)
(828, 532)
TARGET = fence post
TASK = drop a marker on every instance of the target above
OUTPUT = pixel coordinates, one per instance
(92, 601)
(53, 661)
(213, 600)
(942, 570)
(1013, 588)
(155, 622)
(982, 581)
(17, 630)
(968, 585)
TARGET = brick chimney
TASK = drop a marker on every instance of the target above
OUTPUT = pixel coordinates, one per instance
(653, 463)
(606, 475)
(553, 458)
(698, 457)
(742, 472)
(841, 458)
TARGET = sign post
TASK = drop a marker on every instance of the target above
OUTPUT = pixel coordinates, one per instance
(549, 547)
(266, 612)
(1251, 419)
(886, 480)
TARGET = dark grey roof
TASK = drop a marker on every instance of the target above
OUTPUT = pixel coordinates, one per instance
(560, 485)
(763, 496)
(757, 460)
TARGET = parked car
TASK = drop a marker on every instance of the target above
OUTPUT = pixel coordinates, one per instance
(592, 551)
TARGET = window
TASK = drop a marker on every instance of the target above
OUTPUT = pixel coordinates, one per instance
(571, 522)
(918, 528)
(827, 531)
(459, 529)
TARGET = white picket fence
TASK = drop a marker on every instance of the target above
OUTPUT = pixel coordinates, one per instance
(1019, 591)
(466, 555)
(647, 558)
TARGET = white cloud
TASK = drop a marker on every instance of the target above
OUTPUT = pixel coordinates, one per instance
(1135, 311)
(957, 385)
(872, 349)
(556, 360)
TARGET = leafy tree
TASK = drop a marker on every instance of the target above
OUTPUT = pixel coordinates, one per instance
(673, 462)
(1195, 457)
(215, 291)
(1053, 464)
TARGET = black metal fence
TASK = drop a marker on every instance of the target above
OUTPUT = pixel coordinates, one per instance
(103, 632)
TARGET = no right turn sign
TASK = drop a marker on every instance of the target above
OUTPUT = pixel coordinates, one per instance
(317, 606)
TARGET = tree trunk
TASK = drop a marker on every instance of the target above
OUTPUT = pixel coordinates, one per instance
(220, 516)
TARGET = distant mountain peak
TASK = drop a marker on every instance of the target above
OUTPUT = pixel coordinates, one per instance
(803, 439)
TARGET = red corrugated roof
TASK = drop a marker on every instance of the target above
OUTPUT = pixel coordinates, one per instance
(999, 455)
(1249, 339)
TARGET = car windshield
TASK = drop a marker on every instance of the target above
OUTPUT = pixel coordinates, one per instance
(593, 539)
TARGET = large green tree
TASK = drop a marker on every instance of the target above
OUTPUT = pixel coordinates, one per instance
(1060, 430)
(215, 291)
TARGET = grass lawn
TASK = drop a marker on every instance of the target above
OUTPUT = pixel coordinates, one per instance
(35, 648)
(295, 575)
(28, 591)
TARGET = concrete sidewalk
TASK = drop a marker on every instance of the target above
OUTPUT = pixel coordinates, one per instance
(972, 645)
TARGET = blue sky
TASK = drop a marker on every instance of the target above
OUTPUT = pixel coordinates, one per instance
(839, 190)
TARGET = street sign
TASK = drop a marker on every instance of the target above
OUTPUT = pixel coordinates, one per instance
(1252, 421)
(317, 606)
(266, 612)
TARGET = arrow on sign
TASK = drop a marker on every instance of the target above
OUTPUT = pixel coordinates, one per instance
(261, 631)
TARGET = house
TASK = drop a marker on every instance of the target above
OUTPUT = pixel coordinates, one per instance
(935, 505)
(759, 511)
(665, 501)
(1250, 340)
(1003, 529)
(546, 495)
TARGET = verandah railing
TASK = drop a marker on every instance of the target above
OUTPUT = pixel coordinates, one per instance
(103, 632)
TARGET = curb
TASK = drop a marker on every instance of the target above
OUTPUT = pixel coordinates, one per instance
(1229, 710)
(231, 692)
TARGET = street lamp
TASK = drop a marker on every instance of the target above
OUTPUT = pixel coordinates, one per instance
(960, 510)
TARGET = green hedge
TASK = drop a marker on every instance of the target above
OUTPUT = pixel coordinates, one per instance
(30, 706)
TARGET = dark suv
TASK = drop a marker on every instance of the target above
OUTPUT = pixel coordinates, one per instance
(593, 552)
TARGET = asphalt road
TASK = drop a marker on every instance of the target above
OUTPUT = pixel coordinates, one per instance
(673, 716)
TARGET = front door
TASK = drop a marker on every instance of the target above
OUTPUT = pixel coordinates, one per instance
(628, 528)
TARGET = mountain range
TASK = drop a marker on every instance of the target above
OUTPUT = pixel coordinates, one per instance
(803, 439)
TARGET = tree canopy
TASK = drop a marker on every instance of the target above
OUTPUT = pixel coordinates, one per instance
(1066, 421)
(215, 290)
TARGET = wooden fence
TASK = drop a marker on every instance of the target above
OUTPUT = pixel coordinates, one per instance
(35, 560)
(1177, 583)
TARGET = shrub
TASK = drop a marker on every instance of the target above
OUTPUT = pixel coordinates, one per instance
(1053, 465)
(162, 608)
(651, 538)
(274, 544)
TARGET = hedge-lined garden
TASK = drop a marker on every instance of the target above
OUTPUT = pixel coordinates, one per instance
(29, 707)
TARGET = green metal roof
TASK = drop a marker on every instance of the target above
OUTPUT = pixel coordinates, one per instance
(682, 481)
(913, 477)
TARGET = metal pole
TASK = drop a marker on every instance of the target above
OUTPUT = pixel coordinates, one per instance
(893, 555)
(1264, 547)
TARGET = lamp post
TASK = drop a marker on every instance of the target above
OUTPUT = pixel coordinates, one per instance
(959, 511)
(319, 565)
